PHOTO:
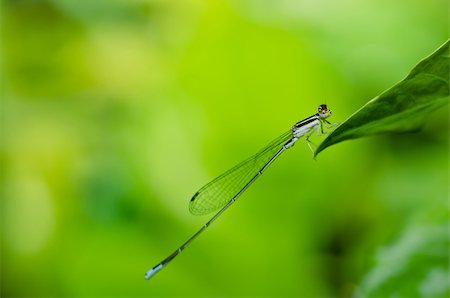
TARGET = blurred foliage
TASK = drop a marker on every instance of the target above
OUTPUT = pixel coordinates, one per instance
(114, 112)
(403, 108)
(413, 266)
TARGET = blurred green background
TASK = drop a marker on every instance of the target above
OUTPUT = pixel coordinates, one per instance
(115, 112)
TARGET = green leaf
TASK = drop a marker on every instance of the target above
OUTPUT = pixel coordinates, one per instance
(402, 108)
(415, 265)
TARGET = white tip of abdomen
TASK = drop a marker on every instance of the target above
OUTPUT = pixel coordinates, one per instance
(153, 271)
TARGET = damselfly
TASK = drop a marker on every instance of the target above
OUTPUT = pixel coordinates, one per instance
(224, 190)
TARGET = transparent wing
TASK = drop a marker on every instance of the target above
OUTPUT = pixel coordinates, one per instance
(222, 189)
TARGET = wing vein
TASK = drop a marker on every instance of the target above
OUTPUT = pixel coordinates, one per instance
(222, 189)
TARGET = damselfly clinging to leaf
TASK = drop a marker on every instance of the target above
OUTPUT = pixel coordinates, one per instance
(224, 190)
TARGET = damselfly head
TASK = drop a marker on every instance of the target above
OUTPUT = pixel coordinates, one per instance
(324, 111)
